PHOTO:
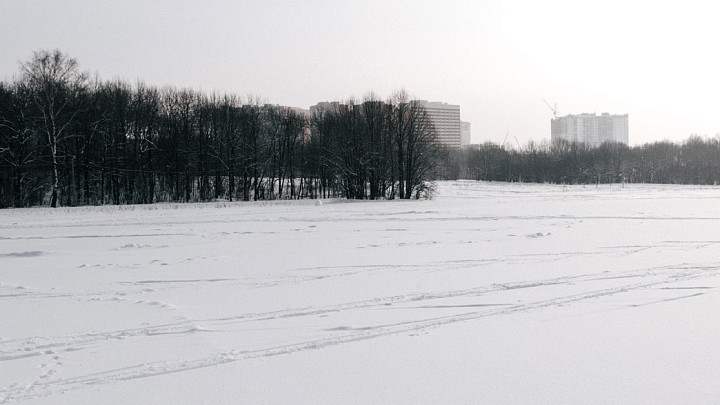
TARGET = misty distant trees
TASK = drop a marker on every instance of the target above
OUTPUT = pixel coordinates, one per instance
(68, 140)
(694, 161)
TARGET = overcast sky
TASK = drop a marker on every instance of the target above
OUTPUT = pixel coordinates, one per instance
(657, 61)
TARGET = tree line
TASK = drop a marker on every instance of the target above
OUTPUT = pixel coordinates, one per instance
(694, 161)
(68, 139)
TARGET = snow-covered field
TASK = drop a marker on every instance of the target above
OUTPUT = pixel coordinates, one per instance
(489, 293)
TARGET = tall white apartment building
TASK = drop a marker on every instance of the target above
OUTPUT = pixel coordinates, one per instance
(446, 119)
(590, 129)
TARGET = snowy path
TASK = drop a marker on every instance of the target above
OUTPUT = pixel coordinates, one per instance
(138, 304)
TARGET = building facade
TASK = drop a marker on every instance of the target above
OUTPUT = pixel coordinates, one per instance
(590, 129)
(446, 119)
(451, 132)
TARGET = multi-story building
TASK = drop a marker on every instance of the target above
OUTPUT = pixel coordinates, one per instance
(324, 105)
(446, 119)
(590, 129)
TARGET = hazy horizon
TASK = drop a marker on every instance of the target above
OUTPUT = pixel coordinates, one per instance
(497, 60)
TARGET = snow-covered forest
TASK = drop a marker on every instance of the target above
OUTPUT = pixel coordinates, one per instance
(489, 293)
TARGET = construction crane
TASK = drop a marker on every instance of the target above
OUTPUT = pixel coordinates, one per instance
(516, 141)
(552, 107)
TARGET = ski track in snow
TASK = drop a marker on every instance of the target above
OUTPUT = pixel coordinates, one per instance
(46, 385)
(419, 311)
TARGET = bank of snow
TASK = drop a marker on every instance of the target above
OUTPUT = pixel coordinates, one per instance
(489, 293)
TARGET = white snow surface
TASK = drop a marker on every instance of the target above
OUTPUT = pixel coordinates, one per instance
(489, 293)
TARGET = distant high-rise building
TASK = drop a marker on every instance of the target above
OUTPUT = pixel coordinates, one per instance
(446, 119)
(324, 105)
(465, 137)
(590, 129)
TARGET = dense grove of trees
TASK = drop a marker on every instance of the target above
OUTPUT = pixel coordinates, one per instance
(695, 161)
(67, 139)
(376, 149)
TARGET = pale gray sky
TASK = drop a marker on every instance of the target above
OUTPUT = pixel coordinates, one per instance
(657, 61)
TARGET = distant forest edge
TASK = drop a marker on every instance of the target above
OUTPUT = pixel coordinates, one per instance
(66, 139)
(694, 161)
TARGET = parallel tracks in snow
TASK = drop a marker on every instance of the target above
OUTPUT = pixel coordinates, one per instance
(47, 384)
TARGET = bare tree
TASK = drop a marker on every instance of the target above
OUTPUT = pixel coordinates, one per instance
(54, 81)
(376, 126)
(415, 145)
(18, 149)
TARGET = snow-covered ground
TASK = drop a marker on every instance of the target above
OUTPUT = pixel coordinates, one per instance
(489, 293)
